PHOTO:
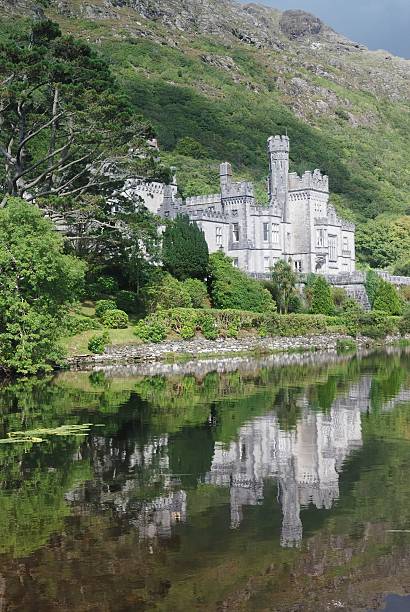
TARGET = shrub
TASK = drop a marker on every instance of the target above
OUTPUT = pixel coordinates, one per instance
(372, 284)
(339, 296)
(284, 284)
(76, 324)
(167, 293)
(404, 324)
(107, 285)
(102, 306)
(296, 325)
(198, 292)
(230, 288)
(207, 325)
(150, 330)
(115, 319)
(128, 301)
(97, 343)
(346, 346)
(387, 299)
(321, 297)
(373, 324)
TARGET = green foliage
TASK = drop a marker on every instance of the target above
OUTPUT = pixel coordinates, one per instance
(384, 241)
(107, 285)
(346, 346)
(404, 325)
(198, 292)
(402, 268)
(128, 301)
(98, 342)
(372, 284)
(64, 116)
(321, 297)
(37, 283)
(150, 330)
(374, 324)
(76, 324)
(208, 327)
(167, 292)
(102, 306)
(115, 319)
(191, 148)
(231, 288)
(297, 325)
(184, 249)
(387, 299)
(284, 284)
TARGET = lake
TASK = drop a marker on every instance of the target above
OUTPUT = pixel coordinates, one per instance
(279, 483)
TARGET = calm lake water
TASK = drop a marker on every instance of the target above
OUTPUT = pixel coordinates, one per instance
(241, 485)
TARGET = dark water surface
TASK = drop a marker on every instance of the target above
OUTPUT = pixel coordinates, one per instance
(243, 485)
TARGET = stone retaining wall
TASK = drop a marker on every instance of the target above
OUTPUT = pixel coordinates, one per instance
(151, 353)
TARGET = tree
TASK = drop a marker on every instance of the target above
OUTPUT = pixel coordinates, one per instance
(321, 297)
(37, 282)
(184, 249)
(284, 282)
(387, 299)
(383, 241)
(232, 288)
(66, 127)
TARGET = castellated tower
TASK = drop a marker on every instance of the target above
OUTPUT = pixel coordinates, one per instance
(278, 149)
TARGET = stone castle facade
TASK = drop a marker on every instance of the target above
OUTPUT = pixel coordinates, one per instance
(298, 225)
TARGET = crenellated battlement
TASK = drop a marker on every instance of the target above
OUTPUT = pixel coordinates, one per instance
(278, 143)
(209, 214)
(204, 200)
(239, 189)
(310, 180)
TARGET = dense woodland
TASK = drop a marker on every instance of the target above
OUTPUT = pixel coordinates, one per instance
(72, 131)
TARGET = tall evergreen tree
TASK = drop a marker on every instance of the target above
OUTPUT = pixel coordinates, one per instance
(184, 249)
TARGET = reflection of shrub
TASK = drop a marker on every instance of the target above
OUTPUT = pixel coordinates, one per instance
(115, 319)
(102, 306)
(97, 343)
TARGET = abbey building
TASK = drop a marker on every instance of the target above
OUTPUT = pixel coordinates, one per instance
(298, 225)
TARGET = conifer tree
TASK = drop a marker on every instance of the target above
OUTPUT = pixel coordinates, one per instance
(321, 296)
(184, 249)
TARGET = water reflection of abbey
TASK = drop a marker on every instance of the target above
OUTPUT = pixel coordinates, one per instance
(305, 463)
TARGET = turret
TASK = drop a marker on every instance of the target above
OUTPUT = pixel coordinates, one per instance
(278, 150)
(225, 176)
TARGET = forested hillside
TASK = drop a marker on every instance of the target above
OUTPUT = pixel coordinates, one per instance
(216, 78)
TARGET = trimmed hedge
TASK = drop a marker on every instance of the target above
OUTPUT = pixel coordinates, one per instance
(212, 324)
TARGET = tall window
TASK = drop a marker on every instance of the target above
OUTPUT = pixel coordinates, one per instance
(320, 238)
(235, 232)
(345, 243)
(275, 233)
(266, 264)
(266, 232)
(298, 265)
(333, 248)
(219, 236)
(235, 262)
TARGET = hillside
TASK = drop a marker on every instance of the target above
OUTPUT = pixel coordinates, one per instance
(216, 78)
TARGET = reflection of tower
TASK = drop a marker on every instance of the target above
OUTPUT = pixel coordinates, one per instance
(291, 535)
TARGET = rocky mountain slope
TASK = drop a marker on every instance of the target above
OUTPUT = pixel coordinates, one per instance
(216, 78)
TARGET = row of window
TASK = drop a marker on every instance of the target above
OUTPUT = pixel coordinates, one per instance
(273, 230)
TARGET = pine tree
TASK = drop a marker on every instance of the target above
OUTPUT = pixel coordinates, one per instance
(387, 299)
(184, 249)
